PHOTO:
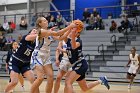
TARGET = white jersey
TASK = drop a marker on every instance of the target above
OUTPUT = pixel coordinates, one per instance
(64, 64)
(134, 64)
(64, 46)
(41, 53)
(134, 60)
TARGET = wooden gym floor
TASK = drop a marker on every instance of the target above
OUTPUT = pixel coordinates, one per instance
(115, 87)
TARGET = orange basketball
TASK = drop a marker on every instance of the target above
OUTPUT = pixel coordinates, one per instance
(80, 25)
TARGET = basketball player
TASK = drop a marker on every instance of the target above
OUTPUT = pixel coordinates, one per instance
(41, 54)
(79, 64)
(9, 64)
(134, 62)
(62, 62)
(21, 61)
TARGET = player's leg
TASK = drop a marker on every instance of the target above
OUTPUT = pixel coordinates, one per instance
(85, 87)
(63, 68)
(73, 76)
(132, 77)
(49, 73)
(21, 80)
(59, 76)
(129, 76)
(40, 77)
(13, 83)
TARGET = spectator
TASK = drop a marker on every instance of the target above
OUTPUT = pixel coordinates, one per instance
(113, 26)
(6, 26)
(34, 18)
(90, 23)
(59, 21)
(48, 17)
(52, 22)
(2, 42)
(100, 22)
(86, 15)
(23, 24)
(10, 40)
(19, 38)
(97, 23)
(95, 13)
(2, 31)
(12, 26)
(125, 24)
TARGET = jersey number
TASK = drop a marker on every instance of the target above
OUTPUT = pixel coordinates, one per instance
(27, 52)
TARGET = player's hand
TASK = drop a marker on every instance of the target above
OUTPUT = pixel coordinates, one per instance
(127, 66)
(57, 63)
(137, 71)
(52, 29)
(59, 49)
(72, 25)
(73, 32)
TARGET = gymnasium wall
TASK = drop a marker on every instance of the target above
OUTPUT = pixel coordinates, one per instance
(81, 4)
(20, 9)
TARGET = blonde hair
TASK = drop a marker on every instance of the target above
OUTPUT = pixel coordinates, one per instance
(38, 27)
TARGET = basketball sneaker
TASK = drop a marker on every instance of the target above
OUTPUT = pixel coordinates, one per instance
(22, 88)
(105, 82)
(129, 86)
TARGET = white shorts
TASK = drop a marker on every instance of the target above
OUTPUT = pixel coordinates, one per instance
(132, 69)
(65, 65)
(37, 60)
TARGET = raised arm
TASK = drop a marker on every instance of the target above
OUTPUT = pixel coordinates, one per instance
(32, 35)
(57, 54)
(63, 37)
(46, 33)
(73, 41)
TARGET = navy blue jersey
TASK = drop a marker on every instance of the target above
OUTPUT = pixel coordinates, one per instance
(9, 58)
(25, 50)
(9, 55)
(74, 54)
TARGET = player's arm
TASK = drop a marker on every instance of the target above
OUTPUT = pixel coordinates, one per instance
(7, 60)
(61, 49)
(31, 37)
(64, 36)
(46, 33)
(138, 64)
(73, 41)
(128, 62)
(57, 53)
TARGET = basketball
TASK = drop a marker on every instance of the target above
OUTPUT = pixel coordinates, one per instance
(79, 24)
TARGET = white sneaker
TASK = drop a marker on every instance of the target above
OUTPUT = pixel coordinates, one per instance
(22, 88)
(129, 86)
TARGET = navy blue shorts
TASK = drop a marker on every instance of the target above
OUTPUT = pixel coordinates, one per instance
(20, 67)
(81, 69)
